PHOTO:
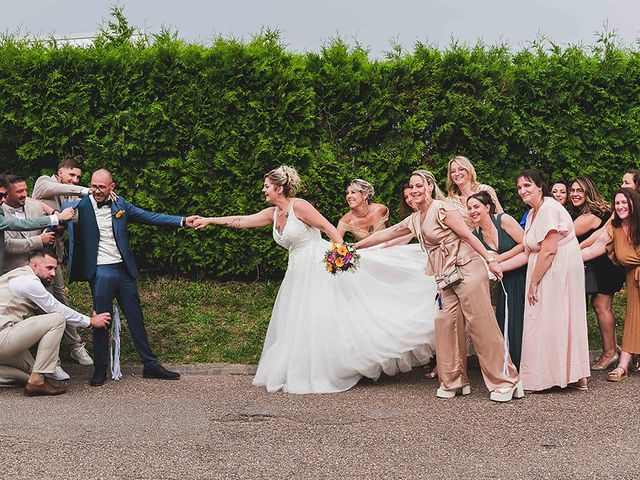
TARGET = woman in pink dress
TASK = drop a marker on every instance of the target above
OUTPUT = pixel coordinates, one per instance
(555, 350)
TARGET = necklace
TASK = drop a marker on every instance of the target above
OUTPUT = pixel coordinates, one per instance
(284, 211)
(355, 214)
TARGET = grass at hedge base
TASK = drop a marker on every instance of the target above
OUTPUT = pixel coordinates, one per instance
(190, 321)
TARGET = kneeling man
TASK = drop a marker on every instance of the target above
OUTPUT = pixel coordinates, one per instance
(22, 292)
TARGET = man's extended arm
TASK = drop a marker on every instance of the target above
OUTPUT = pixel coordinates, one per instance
(12, 223)
(139, 215)
(47, 188)
(30, 286)
(16, 246)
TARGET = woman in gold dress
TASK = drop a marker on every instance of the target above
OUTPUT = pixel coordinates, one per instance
(364, 216)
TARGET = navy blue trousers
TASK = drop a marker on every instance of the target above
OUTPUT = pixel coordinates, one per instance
(115, 281)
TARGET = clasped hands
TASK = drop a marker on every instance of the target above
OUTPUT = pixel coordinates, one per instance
(191, 220)
(496, 269)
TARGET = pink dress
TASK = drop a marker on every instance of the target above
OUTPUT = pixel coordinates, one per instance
(555, 349)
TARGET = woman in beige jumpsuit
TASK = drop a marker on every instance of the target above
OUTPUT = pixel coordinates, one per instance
(448, 241)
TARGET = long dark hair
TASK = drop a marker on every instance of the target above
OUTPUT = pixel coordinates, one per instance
(593, 201)
(633, 200)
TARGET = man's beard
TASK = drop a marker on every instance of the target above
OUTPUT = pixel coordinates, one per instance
(46, 283)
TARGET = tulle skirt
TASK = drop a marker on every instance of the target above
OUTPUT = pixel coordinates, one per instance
(326, 332)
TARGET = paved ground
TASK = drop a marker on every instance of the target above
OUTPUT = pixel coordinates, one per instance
(214, 424)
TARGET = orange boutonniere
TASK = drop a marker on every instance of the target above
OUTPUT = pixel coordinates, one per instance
(119, 214)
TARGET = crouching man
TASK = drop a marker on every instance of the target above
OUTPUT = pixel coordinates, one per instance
(22, 292)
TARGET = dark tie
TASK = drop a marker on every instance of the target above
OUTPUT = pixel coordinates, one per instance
(104, 204)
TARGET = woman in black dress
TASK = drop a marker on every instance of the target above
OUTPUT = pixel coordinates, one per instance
(590, 212)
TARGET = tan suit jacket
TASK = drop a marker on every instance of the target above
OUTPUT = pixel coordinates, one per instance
(19, 245)
(19, 331)
(50, 191)
(14, 309)
(53, 193)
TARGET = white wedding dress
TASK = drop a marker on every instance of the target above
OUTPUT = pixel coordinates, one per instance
(327, 332)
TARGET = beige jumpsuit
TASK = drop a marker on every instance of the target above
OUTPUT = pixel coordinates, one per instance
(466, 303)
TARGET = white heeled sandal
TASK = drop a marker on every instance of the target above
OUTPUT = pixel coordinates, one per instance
(444, 393)
(506, 394)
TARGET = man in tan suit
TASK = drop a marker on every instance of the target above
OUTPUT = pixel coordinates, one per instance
(21, 293)
(19, 245)
(54, 190)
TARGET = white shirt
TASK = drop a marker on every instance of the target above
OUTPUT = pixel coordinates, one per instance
(29, 286)
(108, 252)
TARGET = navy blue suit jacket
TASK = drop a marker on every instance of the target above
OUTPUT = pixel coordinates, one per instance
(84, 235)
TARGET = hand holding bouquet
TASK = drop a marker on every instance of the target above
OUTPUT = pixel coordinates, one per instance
(340, 258)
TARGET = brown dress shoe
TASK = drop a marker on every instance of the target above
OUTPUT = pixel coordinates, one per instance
(31, 390)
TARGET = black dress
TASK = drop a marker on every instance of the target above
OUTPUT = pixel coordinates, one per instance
(609, 277)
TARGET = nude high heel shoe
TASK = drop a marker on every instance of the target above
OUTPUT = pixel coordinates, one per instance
(506, 394)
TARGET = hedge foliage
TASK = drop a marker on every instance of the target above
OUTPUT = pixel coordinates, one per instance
(190, 128)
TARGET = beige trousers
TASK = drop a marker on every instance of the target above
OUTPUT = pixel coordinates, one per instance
(56, 288)
(16, 361)
(469, 303)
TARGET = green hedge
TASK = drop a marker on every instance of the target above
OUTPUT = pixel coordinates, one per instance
(190, 128)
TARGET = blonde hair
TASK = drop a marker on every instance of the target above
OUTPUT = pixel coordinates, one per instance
(465, 163)
(363, 187)
(430, 178)
(285, 177)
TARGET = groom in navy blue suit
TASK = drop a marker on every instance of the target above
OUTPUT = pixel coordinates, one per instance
(99, 253)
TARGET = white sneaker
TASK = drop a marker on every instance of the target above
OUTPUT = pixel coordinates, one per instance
(59, 374)
(80, 355)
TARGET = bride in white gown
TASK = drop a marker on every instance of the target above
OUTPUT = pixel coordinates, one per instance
(327, 332)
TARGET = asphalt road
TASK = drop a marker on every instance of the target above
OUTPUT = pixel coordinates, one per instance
(214, 424)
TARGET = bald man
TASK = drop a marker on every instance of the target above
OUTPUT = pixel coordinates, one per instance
(99, 253)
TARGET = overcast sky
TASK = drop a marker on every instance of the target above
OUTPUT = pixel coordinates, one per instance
(372, 23)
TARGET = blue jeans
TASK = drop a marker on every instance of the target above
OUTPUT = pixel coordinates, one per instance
(115, 281)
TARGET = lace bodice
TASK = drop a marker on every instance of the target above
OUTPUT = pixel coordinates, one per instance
(296, 234)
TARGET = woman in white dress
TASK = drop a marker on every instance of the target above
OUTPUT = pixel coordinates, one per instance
(328, 332)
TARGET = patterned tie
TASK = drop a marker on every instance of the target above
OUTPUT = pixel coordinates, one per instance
(12, 211)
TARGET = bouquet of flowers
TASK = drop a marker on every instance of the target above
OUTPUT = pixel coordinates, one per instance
(340, 258)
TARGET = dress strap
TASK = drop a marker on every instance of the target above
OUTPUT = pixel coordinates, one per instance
(382, 221)
(344, 225)
(290, 211)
